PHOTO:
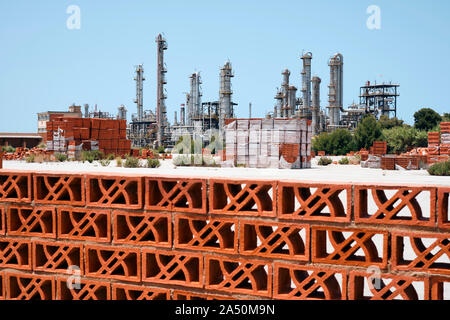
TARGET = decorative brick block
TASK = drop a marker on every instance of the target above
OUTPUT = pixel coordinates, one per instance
(244, 276)
(206, 234)
(113, 263)
(274, 240)
(175, 194)
(295, 282)
(114, 192)
(243, 197)
(2, 286)
(313, 201)
(440, 288)
(65, 189)
(142, 228)
(15, 253)
(82, 290)
(21, 286)
(57, 256)
(172, 267)
(129, 292)
(31, 221)
(372, 286)
(358, 247)
(401, 208)
(2, 220)
(15, 187)
(443, 208)
(426, 252)
(84, 224)
(189, 295)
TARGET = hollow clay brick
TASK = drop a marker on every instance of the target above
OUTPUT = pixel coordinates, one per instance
(274, 240)
(349, 246)
(114, 192)
(70, 289)
(313, 201)
(65, 189)
(21, 286)
(243, 197)
(15, 253)
(443, 205)
(173, 194)
(390, 210)
(439, 286)
(206, 234)
(2, 220)
(243, 276)
(386, 287)
(2, 286)
(430, 252)
(296, 282)
(188, 295)
(84, 224)
(113, 263)
(31, 221)
(172, 267)
(15, 187)
(57, 256)
(130, 292)
(143, 228)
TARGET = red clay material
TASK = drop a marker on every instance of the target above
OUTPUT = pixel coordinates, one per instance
(172, 194)
(372, 286)
(170, 267)
(299, 201)
(243, 197)
(21, 286)
(2, 220)
(274, 240)
(15, 253)
(15, 187)
(59, 189)
(113, 263)
(201, 233)
(431, 252)
(345, 245)
(244, 276)
(88, 290)
(57, 256)
(389, 209)
(443, 212)
(2, 286)
(84, 224)
(142, 228)
(31, 221)
(187, 295)
(295, 282)
(129, 292)
(437, 288)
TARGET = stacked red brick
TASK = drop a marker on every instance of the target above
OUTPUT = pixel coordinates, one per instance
(439, 144)
(133, 237)
(107, 135)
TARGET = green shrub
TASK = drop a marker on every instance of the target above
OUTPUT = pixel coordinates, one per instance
(30, 158)
(338, 142)
(440, 169)
(110, 156)
(8, 149)
(153, 163)
(42, 145)
(161, 149)
(105, 162)
(61, 157)
(131, 162)
(119, 162)
(324, 161)
(368, 131)
(344, 160)
(92, 155)
(400, 139)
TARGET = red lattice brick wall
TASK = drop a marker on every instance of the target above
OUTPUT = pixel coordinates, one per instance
(77, 237)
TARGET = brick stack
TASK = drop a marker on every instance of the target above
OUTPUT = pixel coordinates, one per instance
(133, 237)
(107, 135)
(379, 148)
(269, 143)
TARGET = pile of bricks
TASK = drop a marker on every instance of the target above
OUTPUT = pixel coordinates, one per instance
(106, 135)
(439, 142)
(379, 148)
(133, 237)
(22, 153)
(269, 143)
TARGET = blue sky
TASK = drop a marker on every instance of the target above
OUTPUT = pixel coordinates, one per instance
(45, 66)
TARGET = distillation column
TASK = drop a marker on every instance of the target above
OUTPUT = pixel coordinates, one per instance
(139, 92)
(306, 84)
(292, 99)
(161, 111)
(195, 97)
(182, 115)
(315, 105)
(335, 89)
(122, 113)
(285, 92)
(225, 103)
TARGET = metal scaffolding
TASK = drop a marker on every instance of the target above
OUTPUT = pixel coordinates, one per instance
(379, 99)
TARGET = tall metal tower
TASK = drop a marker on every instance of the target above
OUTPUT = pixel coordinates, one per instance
(285, 93)
(315, 105)
(161, 110)
(139, 92)
(195, 96)
(306, 84)
(225, 104)
(122, 112)
(335, 93)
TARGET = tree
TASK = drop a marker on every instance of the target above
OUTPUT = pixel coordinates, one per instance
(368, 131)
(338, 142)
(446, 117)
(426, 119)
(388, 123)
(400, 139)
